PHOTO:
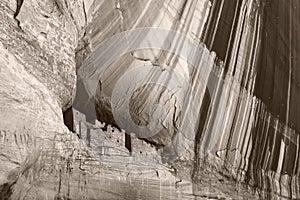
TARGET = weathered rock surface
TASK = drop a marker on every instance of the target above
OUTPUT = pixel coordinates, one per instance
(212, 103)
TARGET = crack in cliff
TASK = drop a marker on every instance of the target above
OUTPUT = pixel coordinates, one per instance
(154, 63)
(85, 14)
(19, 5)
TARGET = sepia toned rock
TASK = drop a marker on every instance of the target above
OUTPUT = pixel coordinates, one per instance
(149, 99)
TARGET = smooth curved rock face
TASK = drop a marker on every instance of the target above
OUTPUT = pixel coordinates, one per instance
(210, 89)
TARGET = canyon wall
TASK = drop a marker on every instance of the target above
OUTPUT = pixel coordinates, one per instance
(196, 99)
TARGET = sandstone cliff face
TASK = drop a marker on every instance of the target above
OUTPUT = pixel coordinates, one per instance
(224, 126)
(38, 41)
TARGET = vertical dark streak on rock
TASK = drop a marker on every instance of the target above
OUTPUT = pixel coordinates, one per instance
(239, 45)
(204, 113)
(289, 159)
(88, 136)
(59, 183)
(19, 5)
(206, 25)
(245, 143)
(210, 25)
(16, 141)
(227, 52)
(263, 150)
(84, 11)
(231, 135)
(182, 10)
(226, 25)
(80, 127)
(69, 176)
(255, 137)
(253, 58)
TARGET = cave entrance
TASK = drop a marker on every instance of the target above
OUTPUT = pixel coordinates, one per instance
(68, 119)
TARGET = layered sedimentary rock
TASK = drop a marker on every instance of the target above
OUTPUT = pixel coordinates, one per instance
(203, 95)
